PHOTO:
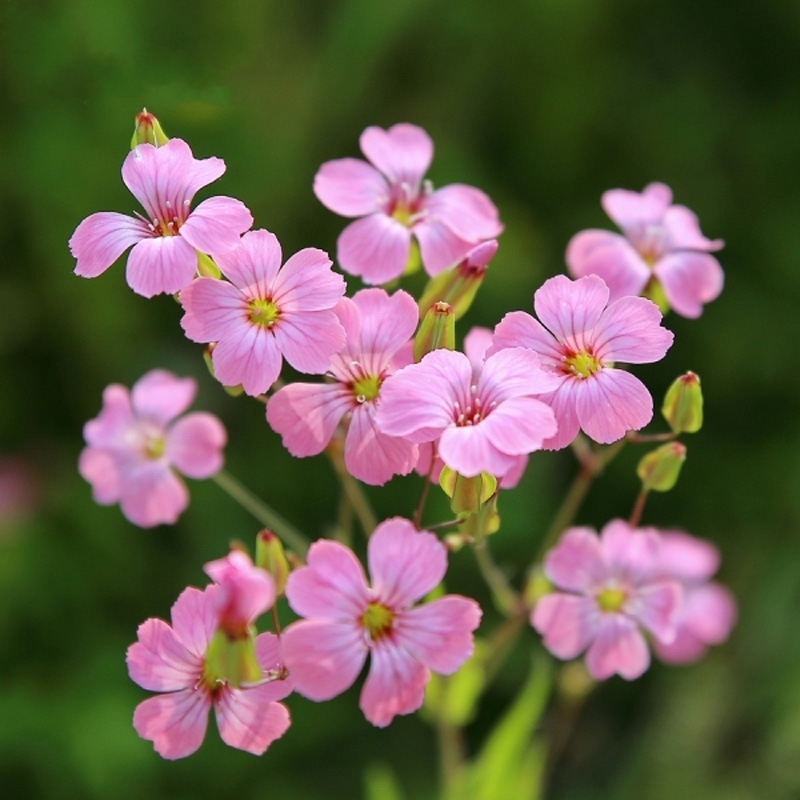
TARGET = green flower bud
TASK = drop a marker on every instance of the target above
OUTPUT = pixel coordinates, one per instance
(683, 404)
(271, 557)
(660, 468)
(231, 659)
(206, 267)
(148, 130)
(438, 330)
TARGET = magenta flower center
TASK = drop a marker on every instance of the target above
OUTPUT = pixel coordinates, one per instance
(581, 365)
(611, 599)
(167, 219)
(149, 439)
(472, 410)
(405, 204)
(650, 241)
(263, 312)
(378, 621)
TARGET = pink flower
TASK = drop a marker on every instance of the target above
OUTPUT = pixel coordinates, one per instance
(347, 619)
(611, 593)
(165, 244)
(708, 610)
(136, 445)
(483, 424)
(266, 313)
(394, 204)
(582, 337)
(172, 660)
(378, 328)
(661, 243)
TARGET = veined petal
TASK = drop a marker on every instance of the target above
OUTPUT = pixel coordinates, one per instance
(213, 309)
(195, 616)
(305, 415)
(102, 238)
(307, 283)
(563, 403)
(351, 187)
(628, 208)
(162, 265)
(249, 720)
(567, 622)
(387, 322)
(153, 495)
(440, 247)
(404, 563)
(515, 371)
(470, 451)
(159, 661)
(375, 247)
(520, 329)
(161, 396)
(309, 339)
(323, 657)
(248, 355)
(611, 403)
(576, 563)
(269, 652)
(683, 231)
(216, 224)
(654, 607)
(175, 723)
(331, 586)
(403, 153)
(395, 684)
(520, 425)
(253, 264)
(618, 647)
(194, 445)
(630, 332)
(571, 309)
(156, 176)
(439, 633)
(466, 211)
(689, 280)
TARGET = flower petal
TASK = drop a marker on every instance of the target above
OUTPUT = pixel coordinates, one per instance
(618, 647)
(466, 211)
(375, 247)
(568, 623)
(161, 396)
(439, 246)
(611, 403)
(387, 322)
(153, 495)
(351, 187)
(577, 563)
(249, 720)
(571, 309)
(175, 723)
(102, 238)
(159, 661)
(307, 283)
(99, 468)
(195, 616)
(403, 153)
(216, 224)
(630, 332)
(689, 280)
(309, 339)
(247, 355)
(213, 310)
(628, 208)
(163, 265)
(683, 231)
(654, 607)
(194, 445)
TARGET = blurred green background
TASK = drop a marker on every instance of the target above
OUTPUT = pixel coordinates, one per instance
(544, 104)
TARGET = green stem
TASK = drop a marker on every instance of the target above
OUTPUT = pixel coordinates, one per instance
(262, 512)
(501, 643)
(506, 599)
(638, 508)
(353, 491)
(451, 747)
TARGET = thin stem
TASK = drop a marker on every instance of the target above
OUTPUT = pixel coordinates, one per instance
(506, 599)
(644, 438)
(638, 508)
(262, 512)
(500, 645)
(275, 621)
(353, 490)
(451, 745)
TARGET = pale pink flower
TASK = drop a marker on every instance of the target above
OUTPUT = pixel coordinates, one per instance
(378, 328)
(708, 610)
(136, 446)
(394, 205)
(483, 423)
(661, 242)
(165, 242)
(247, 591)
(347, 619)
(172, 660)
(581, 339)
(266, 312)
(610, 595)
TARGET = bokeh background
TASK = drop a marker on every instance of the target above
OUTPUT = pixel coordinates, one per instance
(542, 103)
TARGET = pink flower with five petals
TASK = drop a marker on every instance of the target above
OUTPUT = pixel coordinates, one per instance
(136, 446)
(165, 243)
(347, 619)
(662, 243)
(394, 205)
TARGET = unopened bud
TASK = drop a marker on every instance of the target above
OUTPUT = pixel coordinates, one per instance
(206, 267)
(467, 495)
(458, 286)
(232, 659)
(437, 331)
(659, 469)
(148, 130)
(655, 291)
(683, 404)
(271, 557)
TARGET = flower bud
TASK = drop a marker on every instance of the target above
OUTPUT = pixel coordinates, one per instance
(659, 469)
(206, 267)
(271, 557)
(148, 130)
(438, 330)
(683, 404)
(232, 659)
(458, 286)
(467, 495)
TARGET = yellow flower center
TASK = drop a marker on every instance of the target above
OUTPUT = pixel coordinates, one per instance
(581, 365)
(263, 312)
(611, 599)
(377, 620)
(366, 388)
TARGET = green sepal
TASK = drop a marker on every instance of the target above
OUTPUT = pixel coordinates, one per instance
(206, 268)
(437, 331)
(271, 557)
(147, 130)
(232, 659)
(467, 495)
(683, 404)
(659, 469)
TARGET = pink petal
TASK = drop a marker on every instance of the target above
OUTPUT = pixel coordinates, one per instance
(683, 231)
(202, 172)
(403, 153)
(216, 224)
(387, 323)
(687, 558)
(655, 607)
(102, 238)
(110, 426)
(520, 425)
(309, 339)
(161, 396)
(395, 684)
(628, 208)
(157, 175)
(404, 563)
(175, 723)
(470, 451)
(618, 647)
(520, 329)
(307, 283)
(332, 585)
(99, 468)
(709, 612)
(351, 187)
(248, 720)
(577, 563)
(159, 661)
(568, 623)
(153, 495)
(372, 456)
(630, 332)
(476, 344)
(611, 257)
(571, 309)
(689, 280)
(439, 246)
(163, 265)
(631, 553)
(439, 634)
(247, 355)
(375, 247)
(194, 445)
(323, 657)
(563, 402)
(515, 371)
(514, 475)
(247, 590)
(466, 211)
(253, 264)
(611, 403)
(269, 652)
(195, 616)
(305, 415)
(213, 309)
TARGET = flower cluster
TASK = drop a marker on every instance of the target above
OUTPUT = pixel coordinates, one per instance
(394, 395)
